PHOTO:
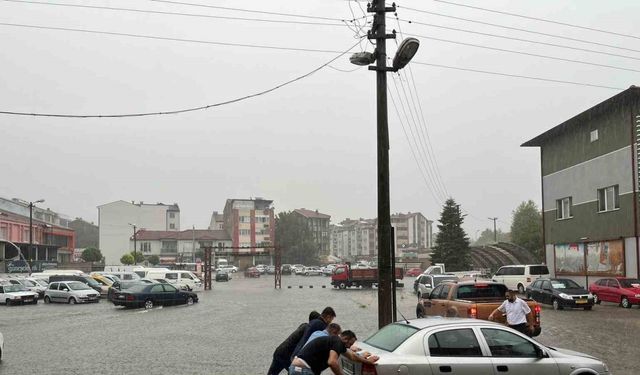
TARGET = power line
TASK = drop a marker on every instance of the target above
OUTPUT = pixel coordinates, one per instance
(253, 11)
(520, 39)
(539, 19)
(525, 53)
(175, 13)
(520, 29)
(517, 76)
(192, 109)
(168, 38)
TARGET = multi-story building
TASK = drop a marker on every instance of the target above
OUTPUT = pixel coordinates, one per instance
(589, 167)
(358, 239)
(250, 223)
(179, 246)
(318, 223)
(115, 222)
(217, 221)
(87, 233)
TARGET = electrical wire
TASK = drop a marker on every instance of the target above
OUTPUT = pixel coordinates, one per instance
(133, 10)
(525, 53)
(185, 110)
(539, 19)
(520, 39)
(517, 76)
(154, 37)
(522, 30)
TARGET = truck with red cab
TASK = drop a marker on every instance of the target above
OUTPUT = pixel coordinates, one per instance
(344, 276)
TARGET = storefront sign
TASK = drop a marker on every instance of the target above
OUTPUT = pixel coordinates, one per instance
(601, 258)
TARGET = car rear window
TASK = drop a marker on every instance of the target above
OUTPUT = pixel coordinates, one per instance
(391, 336)
(630, 283)
(538, 270)
(481, 291)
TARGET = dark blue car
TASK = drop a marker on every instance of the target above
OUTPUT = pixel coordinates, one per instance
(149, 295)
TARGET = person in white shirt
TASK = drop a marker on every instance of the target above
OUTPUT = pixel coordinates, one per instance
(518, 313)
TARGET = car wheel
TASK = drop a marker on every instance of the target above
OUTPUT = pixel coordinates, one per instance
(420, 311)
(342, 286)
(148, 304)
(47, 299)
(587, 308)
(625, 303)
(306, 274)
(520, 289)
(72, 301)
(596, 300)
(556, 304)
(7, 302)
(189, 300)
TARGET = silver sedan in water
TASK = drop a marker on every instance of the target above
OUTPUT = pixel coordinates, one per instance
(465, 347)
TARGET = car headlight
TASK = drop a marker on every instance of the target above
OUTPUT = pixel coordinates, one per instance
(564, 296)
(590, 296)
(15, 297)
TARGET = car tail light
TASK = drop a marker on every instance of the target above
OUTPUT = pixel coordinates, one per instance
(536, 311)
(368, 369)
(130, 298)
(472, 312)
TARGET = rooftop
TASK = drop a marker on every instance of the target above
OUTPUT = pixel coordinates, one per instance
(189, 234)
(311, 214)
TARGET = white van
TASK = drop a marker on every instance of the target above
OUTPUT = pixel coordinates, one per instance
(520, 276)
(124, 275)
(179, 278)
(144, 271)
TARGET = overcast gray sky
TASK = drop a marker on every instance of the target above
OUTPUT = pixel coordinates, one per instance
(310, 144)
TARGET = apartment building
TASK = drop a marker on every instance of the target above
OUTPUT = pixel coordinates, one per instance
(178, 246)
(116, 220)
(318, 223)
(250, 223)
(589, 167)
(413, 233)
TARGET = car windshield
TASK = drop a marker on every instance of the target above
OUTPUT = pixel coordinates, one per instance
(77, 285)
(42, 283)
(391, 336)
(630, 283)
(564, 284)
(14, 288)
(28, 283)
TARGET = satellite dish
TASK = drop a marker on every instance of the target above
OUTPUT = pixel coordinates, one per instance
(362, 58)
(405, 53)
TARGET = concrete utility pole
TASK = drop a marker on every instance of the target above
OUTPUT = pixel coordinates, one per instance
(135, 261)
(31, 228)
(495, 232)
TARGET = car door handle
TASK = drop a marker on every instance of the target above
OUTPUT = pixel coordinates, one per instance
(445, 368)
(503, 369)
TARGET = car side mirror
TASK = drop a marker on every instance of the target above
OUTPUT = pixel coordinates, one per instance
(427, 285)
(540, 353)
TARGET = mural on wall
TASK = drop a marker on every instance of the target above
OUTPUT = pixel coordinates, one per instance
(602, 258)
(605, 258)
(570, 258)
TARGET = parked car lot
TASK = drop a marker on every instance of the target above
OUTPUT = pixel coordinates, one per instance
(625, 291)
(560, 293)
(466, 346)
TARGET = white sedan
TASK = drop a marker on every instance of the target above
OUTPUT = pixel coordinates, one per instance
(17, 294)
(312, 271)
(465, 347)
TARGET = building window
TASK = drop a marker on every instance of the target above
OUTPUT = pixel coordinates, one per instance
(172, 215)
(145, 247)
(245, 219)
(608, 198)
(245, 232)
(563, 208)
(594, 135)
(172, 226)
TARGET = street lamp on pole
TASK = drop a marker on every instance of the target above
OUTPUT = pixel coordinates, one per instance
(135, 259)
(404, 54)
(31, 225)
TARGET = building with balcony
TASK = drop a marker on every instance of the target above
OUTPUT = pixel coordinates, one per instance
(318, 223)
(250, 223)
(413, 233)
(179, 246)
(590, 211)
(114, 227)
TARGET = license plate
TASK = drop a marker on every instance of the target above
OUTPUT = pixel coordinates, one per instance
(28, 299)
(121, 297)
(581, 301)
(348, 366)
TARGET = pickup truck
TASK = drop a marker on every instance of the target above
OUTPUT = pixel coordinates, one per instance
(470, 299)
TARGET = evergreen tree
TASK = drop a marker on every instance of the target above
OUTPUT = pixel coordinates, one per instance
(295, 240)
(452, 247)
(526, 228)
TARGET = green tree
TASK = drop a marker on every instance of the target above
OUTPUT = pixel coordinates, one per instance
(138, 256)
(487, 237)
(526, 228)
(295, 239)
(452, 247)
(154, 260)
(126, 259)
(91, 254)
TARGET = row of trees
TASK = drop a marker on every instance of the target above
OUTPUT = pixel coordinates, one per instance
(452, 243)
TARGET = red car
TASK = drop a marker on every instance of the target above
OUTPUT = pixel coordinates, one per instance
(413, 272)
(251, 272)
(624, 291)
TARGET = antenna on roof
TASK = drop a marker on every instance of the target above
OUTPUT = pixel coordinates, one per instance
(405, 319)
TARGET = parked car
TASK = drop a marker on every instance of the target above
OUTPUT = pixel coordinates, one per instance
(560, 293)
(625, 291)
(222, 276)
(29, 285)
(251, 272)
(15, 294)
(286, 269)
(83, 279)
(261, 267)
(228, 268)
(149, 295)
(125, 275)
(465, 346)
(70, 292)
(328, 269)
(520, 276)
(180, 279)
(297, 269)
(413, 272)
(312, 271)
(271, 270)
(123, 285)
(424, 284)
(105, 283)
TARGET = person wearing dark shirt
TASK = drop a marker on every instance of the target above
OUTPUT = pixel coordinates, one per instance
(326, 317)
(282, 354)
(324, 352)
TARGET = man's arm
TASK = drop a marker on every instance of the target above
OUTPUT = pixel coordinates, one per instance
(499, 309)
(357, 358)
(333, 362)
